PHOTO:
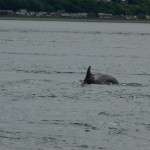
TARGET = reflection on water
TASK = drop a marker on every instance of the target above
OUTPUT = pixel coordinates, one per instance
(43, 103)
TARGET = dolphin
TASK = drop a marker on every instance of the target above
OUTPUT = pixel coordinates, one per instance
(98, 78)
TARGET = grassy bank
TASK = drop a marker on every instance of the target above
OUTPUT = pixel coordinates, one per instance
(71, 19)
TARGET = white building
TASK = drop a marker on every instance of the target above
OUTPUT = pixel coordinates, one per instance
(22, 12)
(105, 16)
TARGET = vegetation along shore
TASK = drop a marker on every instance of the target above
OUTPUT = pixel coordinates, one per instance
(92, 10)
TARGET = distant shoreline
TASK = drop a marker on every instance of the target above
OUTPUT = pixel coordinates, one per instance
(72, 19)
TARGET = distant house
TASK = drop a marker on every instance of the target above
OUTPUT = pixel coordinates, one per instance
(124, 1)
(65, 15)
(31, 13)
(41, 14)
(79, 15)
(143, 16)
(105, 16)
(6, 12)
(22, 12)
(56, 13)
(70, 15)
(148, 17)
(104, 0)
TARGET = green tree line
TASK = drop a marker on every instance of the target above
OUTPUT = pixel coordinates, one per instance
(115, 7)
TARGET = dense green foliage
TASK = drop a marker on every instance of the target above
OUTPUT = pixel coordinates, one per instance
(115, 7)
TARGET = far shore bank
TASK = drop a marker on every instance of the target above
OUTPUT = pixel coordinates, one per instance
(72, 19)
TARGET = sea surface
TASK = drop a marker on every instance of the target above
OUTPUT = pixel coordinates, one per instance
(44, 106)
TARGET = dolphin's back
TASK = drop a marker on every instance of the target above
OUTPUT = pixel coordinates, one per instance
(104, 79)
(98, 78)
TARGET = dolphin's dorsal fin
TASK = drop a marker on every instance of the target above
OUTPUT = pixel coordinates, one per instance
(88, 74)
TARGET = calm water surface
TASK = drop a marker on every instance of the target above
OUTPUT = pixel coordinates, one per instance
(42, 104)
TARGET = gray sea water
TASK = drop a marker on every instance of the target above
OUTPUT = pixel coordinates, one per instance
(42, 103)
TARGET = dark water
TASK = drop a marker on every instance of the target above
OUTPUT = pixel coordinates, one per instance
(42, 104)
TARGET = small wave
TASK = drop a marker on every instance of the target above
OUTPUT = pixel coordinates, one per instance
(46, 139)
(11, 135)
(131, 84)
(80, 83)
(63, 122)
(46, 96)
(32, 71)
(140, 74)
(12, 83)
(40, 71)
(116, 33)
(143, 96)
(108, 114)
(83, 146)
(84, 125)
(132, 96)
(67, 72)
(32, 54)
(147, 126)
(90, 147)
(116, 131)
(75, 32)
